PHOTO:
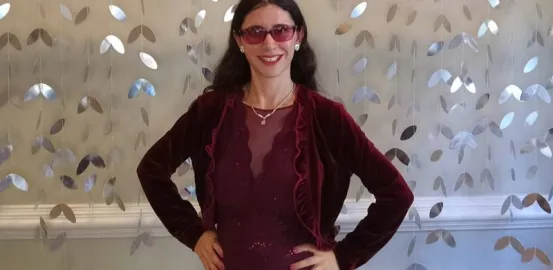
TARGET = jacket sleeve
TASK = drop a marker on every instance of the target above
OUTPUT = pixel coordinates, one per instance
(380, 177)
(154, 173)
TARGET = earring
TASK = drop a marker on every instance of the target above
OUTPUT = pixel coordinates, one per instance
(242, 49)
(297, 47)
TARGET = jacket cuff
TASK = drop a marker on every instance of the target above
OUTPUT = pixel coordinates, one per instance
(345, 261)
(192, 236)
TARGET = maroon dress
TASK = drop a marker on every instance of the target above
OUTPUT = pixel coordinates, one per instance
(257, 225)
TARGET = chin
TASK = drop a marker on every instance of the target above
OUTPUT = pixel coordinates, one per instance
(270, 73)
(271, 69)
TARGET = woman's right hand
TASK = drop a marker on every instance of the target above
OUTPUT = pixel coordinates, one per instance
(209, 251)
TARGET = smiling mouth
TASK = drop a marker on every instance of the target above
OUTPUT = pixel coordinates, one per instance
(270, 59)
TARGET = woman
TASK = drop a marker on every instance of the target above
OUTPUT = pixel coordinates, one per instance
(272, 159)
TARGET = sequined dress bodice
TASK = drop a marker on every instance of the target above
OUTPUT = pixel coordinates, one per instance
(257, 225)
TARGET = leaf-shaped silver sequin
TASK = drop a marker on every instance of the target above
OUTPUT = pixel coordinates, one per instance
(358, 10)
(117, 12)
(436, 209)
(5, 153)
(40, 89)
(5, 183)
(68, 182)
(17, 181)
(119, 201)
(108, 192)
(394, 43)
(467, 13)
(82, 15)
(408, 132)
(4, 10)
(44, 143)
(342, 29)
(83, 164)
(436, 155)
(57, 126)
(462, 139)
(58, 241)
(486, 176)
(506, 120)
(411, 247)
(464, 179)
(510, 90)
(364, 36)
(435, 48)
(416, 266)
(141, 29)
(96, 160)
(439, 184)
(186, 25)
(365, 92)
(414, 214)
(42, 34)
(482, 101)
(411, 17)
(112, 41)
(391, 13)
(399, 154)
(531, 64)
(89, 101)
(139, 85)
(148, 60)
(66, 13)
(90, 182)
(438, 76)
(360, 65)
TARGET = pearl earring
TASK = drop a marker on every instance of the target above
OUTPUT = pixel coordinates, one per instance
(241, 49)
(297, 47)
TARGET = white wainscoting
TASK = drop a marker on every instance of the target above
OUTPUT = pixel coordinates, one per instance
(101, 221)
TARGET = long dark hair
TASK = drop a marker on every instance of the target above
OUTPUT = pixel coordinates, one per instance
(233, 70)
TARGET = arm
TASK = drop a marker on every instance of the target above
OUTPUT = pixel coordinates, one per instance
(381, 178)
(154, 173)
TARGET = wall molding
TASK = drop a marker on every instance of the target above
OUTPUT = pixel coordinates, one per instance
(102, 221)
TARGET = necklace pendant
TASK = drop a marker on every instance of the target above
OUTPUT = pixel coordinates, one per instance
(263, 122)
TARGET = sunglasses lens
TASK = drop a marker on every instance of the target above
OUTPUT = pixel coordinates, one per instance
(257, 35)
(254, 36)
(282, 34)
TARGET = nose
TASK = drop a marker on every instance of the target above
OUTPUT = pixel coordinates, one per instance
(269, 42)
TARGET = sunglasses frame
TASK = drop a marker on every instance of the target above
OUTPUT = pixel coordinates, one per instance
(242, 32)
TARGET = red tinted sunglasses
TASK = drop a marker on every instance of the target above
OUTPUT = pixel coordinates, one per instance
(257, 34)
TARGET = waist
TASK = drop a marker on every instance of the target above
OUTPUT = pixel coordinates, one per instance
(261, 245)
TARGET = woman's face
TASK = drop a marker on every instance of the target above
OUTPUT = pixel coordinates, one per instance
(269, 55)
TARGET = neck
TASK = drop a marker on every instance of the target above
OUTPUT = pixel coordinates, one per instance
(266, 93)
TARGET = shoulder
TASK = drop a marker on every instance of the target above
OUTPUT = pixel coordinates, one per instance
(208, 102)
(326, 107)
(208, 99)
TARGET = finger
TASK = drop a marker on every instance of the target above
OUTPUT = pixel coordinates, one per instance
(304, 248)
(218, 263)
(208, 263)
(218, 249)
(212, 266)
(204, 262)
(215, 260)
(313, 260)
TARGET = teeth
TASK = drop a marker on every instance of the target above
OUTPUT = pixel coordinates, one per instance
(269, 59)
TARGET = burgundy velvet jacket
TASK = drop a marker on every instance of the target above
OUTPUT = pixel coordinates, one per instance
(330, 147)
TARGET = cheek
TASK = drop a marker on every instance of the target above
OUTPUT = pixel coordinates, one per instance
(288, 48)
(254, 49)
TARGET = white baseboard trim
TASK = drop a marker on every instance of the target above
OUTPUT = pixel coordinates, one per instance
(101, 221)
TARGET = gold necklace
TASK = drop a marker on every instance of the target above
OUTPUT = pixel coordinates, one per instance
(263, 118)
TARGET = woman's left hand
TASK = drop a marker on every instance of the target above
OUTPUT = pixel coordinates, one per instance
(320, 260)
